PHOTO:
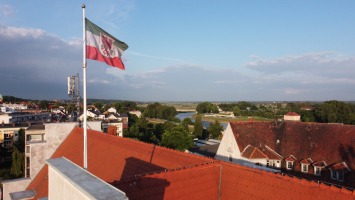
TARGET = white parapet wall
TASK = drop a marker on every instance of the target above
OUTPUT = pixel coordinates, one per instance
(15, 185)
(67, 180)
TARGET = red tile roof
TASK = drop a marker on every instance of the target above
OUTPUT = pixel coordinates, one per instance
(290, 158)
(332, 143)
(319, 164)
(251, 152)
(240, 182)
(307, 161)
(340, 167)
(114, 158)
(292, 114)
(145, 171)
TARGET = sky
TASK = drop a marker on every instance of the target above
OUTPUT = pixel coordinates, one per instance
(201, 50)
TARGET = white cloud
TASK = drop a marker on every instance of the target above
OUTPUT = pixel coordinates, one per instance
(35, 64)
(6, 10)
(15, 32)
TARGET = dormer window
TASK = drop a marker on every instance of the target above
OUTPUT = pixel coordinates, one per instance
(290, 160)
(304, 168)
(305, 165)
(338, 171)
(289, 165)
(317, 171)
(318, 167)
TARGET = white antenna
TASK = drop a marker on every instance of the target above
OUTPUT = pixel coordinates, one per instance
(74, 91)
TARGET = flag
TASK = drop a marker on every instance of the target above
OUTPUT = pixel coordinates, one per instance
(102, 46)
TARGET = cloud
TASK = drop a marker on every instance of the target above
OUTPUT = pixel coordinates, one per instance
(325, 63)
(6, 10)
(35, 64)
(33, 61)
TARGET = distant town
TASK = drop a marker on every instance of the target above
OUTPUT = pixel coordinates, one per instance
(311, 141)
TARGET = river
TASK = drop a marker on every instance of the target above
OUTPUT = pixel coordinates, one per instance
(205, 124)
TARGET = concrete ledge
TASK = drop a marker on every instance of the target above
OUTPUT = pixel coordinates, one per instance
(64, 175)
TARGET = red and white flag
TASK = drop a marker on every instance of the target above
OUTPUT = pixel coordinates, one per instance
(102, 46)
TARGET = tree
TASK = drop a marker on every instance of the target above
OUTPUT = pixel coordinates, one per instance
(44, 104)
(17, 165)
(206, 107)
(186, 122)
(236, 111)
(20, 142)
(215, 130)
(198, 128)
(99, 106)
(177, 138)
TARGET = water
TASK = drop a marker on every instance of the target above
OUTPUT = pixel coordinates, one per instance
(205, 124)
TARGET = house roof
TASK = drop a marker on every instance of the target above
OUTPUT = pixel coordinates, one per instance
(145, 171)
(331, 143)
(114, 158)
(251, 152)
(307, 161)
(292, 114)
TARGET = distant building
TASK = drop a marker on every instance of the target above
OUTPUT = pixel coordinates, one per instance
(14, 107)
(8, 135)
(136, 112)
(292, 116)
(24, 117)
(120, 121)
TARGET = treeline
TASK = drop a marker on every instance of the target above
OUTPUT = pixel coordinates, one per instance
(12, 99)
(325, 112)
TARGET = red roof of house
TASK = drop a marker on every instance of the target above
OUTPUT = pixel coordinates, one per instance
(145, 171)
(251, 152)
(307, 161)
(332, 143)
(292, 114)
(113, 158)
(319, 164)
(240, 182)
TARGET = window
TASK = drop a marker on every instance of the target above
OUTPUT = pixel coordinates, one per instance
(340, 176)
(267, 163)
(289, 165)
(334, 175)
(230, 158)
(317, 171)
(304, 168)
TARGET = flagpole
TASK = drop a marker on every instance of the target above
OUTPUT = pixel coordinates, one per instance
(84, 91)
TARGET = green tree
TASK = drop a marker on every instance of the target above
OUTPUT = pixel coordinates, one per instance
(215, 130)
(198, 128)
(17, 165)
(236, 111)
(44, 104)
(206, 107)
(186, 122)
(177, 138)
(20, 142)
(99, 106)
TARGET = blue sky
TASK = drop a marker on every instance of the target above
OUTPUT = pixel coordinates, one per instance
(184, 50)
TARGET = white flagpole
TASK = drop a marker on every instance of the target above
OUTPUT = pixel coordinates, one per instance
(84, 91)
